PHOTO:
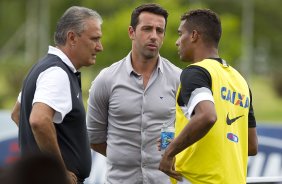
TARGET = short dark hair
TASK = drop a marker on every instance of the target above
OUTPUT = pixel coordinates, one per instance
(149, 7)
(206, 22)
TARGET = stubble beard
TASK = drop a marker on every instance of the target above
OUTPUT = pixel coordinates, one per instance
(150, 54)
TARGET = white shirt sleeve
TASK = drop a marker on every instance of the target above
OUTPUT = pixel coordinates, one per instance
(53, 89)
(198, 95)
(19, 97)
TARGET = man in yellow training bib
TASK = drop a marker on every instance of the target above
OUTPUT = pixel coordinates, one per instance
(215, 123)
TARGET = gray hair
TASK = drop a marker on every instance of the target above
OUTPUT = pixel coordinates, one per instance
(73, 20)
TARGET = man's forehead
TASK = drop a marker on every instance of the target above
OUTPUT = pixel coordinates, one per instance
(182, 23)
(147, 18)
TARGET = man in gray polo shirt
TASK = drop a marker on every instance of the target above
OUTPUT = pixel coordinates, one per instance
(130, 100)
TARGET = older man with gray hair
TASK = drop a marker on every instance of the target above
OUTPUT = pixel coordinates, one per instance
(49, 111)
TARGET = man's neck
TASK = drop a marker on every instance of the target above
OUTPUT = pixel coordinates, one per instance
(142, 65)
(205, 54)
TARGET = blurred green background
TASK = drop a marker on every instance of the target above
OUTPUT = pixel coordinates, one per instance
(251, 42)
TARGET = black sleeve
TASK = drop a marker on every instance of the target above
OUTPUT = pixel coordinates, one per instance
(251, 117)
(191, 78)
(194, 77)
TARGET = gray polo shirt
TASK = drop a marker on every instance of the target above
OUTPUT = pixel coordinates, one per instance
(129, 118)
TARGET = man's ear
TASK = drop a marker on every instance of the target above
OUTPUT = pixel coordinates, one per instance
(194, 36)
(131, 32)
(71, 37)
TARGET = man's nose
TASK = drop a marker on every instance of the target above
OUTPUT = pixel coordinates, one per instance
(154, 34)
(99, 46)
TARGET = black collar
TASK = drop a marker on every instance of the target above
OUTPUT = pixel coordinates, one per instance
(223, 62)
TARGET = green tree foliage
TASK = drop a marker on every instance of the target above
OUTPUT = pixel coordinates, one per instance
(116, 15)
(11, 17)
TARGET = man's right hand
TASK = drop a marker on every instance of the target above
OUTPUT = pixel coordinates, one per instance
(167, 166)
(72, 179)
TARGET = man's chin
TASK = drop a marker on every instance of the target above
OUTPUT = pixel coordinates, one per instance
(92, 62)
(182, 59)
(185, 60)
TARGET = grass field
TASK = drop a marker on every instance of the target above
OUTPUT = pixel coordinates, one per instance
(267, 105)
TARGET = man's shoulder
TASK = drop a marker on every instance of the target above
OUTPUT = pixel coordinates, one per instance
(48, 64)
(170, 66)
(112, 70)
(50, 61)
(114, 66)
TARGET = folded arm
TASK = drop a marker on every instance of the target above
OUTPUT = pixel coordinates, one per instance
(200, 124)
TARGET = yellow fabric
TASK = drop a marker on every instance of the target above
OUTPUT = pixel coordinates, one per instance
(215, 159)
